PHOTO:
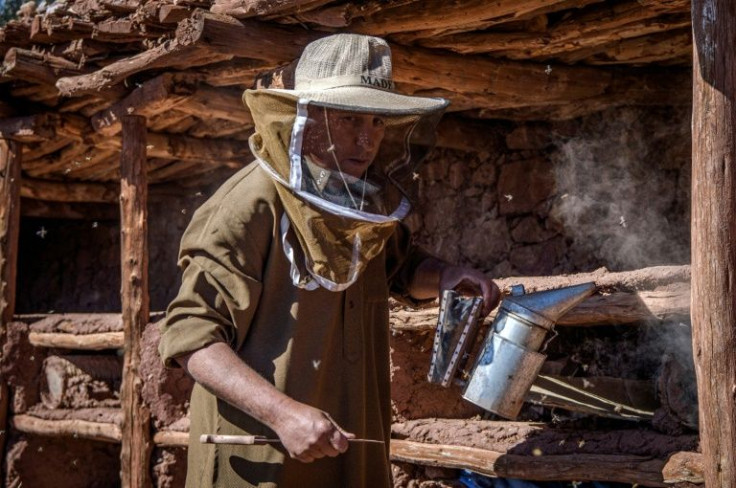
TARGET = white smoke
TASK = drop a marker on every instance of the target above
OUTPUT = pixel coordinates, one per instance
(620, 195)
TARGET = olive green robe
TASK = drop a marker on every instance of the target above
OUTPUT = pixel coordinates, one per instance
(327, 349)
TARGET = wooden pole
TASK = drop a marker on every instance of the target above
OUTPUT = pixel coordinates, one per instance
(10, 161)
(136, 442)
(713, 305)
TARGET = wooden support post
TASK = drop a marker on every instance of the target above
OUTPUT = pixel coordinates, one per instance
(713, 306)
(10, 161)
(136, 448)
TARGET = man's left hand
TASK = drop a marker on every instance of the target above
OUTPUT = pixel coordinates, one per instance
(470, 281)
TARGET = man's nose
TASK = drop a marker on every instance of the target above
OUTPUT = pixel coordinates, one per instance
(366, 138)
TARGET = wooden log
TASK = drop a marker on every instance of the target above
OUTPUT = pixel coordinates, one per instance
(247, 39)
(86, 342)
(684, 467)
(238, 72)
(31, 128)
(530, 439)
(10, 171)
(50, 29)
(591, 26)
(154, 96)
(657, 293)
(200, 40)
(438, 15)
(75, 323)
(97, 431)
(81, 381)
(223, 103)
(654, 48)
(32, 66)
(68, 192)
(241, 9)
(638, 470)
(103, 82)
(136, 448)
(713, 230)
(173, 14)
(170, 438)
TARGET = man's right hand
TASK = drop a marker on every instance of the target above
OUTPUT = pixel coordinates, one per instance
(308, 433)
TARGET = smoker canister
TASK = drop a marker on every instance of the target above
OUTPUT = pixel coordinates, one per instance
(502, 376)
(510, 359)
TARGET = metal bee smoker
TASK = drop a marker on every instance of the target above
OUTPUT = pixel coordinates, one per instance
(511, 355)
(510, 360)
(457, 327)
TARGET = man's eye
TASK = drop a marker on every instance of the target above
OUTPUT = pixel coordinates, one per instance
(378, 122)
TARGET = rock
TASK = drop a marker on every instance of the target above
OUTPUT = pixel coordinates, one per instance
(524, 184)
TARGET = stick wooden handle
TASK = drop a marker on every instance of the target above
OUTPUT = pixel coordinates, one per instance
(246, 440)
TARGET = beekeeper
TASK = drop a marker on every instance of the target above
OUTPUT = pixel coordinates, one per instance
(282, 315)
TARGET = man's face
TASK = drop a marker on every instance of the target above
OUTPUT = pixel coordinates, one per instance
(356, 138)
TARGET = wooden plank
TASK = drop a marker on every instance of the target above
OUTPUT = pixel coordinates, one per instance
(137, 445)
(654, 48)
(638, 470)
(172, 14)
(210, 103)
(84, 342)
(10, 173)
(104, 81)
(241, 9)
(170, 438)
(85, 429)
(713, 231)
(439, 15)
(30, 128)
(154, 96)
(68, 192)
(592, 26)
(658, 293)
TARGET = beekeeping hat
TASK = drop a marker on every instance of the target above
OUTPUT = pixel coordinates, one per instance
(344, 148)
(354, 72)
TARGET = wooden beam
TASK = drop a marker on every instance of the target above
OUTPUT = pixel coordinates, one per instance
(10, 171)
(658, 293)
(84, 342)
(241, 9)
(217, 103)
(97, 431)
(439, 15)
(200, 40)
(592, 26)
(154, 96)
(528, 439)
(713, 231)
(638, 470)
(104, 82)
(171, 438)
(30, 128)
(654, 48)
(136, 430)
(55, 191)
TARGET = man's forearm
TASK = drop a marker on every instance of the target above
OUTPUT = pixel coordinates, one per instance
(425, 283)
(219, 370)
(307, 433)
